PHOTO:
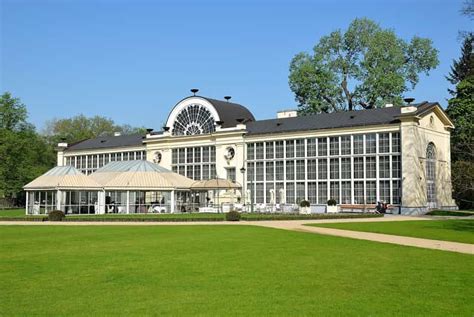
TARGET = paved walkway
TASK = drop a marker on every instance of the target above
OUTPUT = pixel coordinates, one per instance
(378, 237)
(297, 225)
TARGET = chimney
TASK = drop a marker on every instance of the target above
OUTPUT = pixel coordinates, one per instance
(117, 133)
(287, 114)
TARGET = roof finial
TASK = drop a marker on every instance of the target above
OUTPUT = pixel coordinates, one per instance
(409, 100)
(227, 98)
(194, 91)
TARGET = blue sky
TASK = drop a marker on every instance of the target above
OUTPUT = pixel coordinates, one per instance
(133, 60)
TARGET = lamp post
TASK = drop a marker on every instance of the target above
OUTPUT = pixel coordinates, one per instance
(242, 170)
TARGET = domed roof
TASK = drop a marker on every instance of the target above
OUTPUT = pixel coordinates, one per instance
(199, 115)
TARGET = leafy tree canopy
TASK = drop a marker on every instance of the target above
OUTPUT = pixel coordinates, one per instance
(81, 127)
(23, 153)
(364, 66)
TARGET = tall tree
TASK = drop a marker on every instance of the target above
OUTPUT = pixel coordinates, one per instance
(23, 153)
(365, 66)
(81, 127)
(463, 67)
(468, 9)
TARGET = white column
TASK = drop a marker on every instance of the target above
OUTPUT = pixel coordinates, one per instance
(58, 200)
(128, 202)
(26, 208)
(172, 201)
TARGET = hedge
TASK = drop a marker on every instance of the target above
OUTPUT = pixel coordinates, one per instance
(259, 217)
(218, 217)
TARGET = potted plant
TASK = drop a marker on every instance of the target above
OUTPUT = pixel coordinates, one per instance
(305, 207)
(332, 206)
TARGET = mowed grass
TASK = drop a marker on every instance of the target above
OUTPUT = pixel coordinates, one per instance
(19, 212)
(223, 270)
(448, 230)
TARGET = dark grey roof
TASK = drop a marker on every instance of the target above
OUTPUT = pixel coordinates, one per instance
(230, 112)
(332, 120)
(108, 142)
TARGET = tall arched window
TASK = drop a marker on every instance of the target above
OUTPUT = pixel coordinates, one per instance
(193, 119)
(431, 175)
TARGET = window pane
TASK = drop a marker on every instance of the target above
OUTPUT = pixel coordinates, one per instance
(396, 166)
(322, 169)
(311, 147)
(290, 170)
(396, 142)
(290, 148)
(384, 166)
(250, 171)
(300, 192)
(259, 150)
(358, 192)
(384, 191)
(279, 170)
(259, 171)
(197, 155)
(322, 146)
(396, 192)
(334, 188)
(205, 154)
(300, 171)
(370, 143)
(250, 151)
(189, 155)
(269, 150)
(300, 151)
(371, 192)
(384, 142)
(345, 145)
(346, 167)
(311, 169)
(358, 167)
(322, 193)
(346, 192)
(359, 144)
(279, 153)
(290, 193)
(370, 167)
(270, 175)
(334, 146)
(312, 192)
(334, 166)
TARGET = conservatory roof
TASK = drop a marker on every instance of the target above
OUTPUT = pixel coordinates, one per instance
(62, 177)
(140, 175)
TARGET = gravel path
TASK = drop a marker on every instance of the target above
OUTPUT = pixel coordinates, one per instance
(296, 225)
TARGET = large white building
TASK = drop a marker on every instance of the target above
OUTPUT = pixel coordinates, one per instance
(400, 155)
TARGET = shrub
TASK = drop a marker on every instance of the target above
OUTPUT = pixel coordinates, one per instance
(232, 216)
(332, 202)
(56, 215)
(304, 203)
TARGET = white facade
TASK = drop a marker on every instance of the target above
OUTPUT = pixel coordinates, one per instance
(355, 165)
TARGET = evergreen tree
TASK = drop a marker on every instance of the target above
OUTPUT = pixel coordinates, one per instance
(463, 67)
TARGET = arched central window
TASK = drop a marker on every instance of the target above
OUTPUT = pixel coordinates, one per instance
(193, 119)
(431, 175)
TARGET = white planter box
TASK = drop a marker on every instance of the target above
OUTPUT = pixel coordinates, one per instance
(305, 210)
(332, 209)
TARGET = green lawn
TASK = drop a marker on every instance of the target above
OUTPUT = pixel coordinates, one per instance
(12, 212)
(223, 270)
(456, 213)
(449, 230)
